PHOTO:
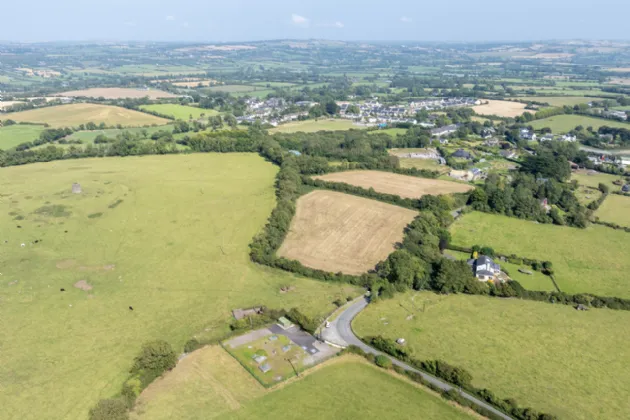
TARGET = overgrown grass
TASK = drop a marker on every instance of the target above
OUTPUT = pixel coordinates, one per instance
(175, 248)
(549, 357)
(592, 260)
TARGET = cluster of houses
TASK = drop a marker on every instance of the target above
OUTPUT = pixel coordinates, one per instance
(441, 103)
(527, 134)
(616, 115)
(269, 111)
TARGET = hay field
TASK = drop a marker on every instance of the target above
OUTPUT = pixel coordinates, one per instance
(339, 232)
(164, 234)
(12, 135)
(592, 260)
(312, 126)
(180, 112)
(549, 357)
(566, 123)
(75, 114)
(118, 93)
(391, 183)
(210, 384)
(501, 108)
(7, 104)
(615, 209)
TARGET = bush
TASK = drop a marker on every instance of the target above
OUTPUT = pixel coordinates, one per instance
(155, 358)
(192, 345)
(110, 409)
(383, 361)
(339, 303)
(131, 390)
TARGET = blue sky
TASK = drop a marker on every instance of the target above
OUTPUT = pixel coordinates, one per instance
(241, 20)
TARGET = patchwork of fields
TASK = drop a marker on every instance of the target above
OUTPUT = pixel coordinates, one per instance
(75, 114)
(390, 183)
(210, 384)
(163, 234)
(549, 357)
(338, 232)
(119, 93)
(592, 260)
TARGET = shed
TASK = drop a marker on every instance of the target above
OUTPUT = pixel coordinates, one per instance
(258, 358)
(265, 368)
(76, 188)
(284, 323)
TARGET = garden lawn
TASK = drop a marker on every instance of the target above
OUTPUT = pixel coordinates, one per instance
(549, 357)
(180, 112)
(166, 235)
(566, 123)
(348, 390)
(592, 260)
(13, 135)
(615, 209)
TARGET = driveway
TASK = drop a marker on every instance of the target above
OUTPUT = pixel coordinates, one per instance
(341, 334)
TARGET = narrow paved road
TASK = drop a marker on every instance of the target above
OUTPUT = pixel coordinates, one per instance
(342, 328)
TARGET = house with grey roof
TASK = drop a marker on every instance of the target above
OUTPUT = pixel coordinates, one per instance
(484, 268)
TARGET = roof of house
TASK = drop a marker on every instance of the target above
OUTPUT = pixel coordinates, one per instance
(461, 153)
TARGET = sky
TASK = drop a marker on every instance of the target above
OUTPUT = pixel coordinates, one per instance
(350, 20)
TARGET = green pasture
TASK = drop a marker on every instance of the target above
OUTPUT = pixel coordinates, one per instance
(166, 235)
(149, 70)
(592, 260)
(593, 179)
(89, 136)
(348, 390)
(180, 112)
(12, 135)
(311, 126)
(549, 357)
(615, 209)
(232, 88)
(391, 131)
(558, 100)
(566, 123)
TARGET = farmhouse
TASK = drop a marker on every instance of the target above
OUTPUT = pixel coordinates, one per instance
(485, 269)
(487, 133)
(527, 134)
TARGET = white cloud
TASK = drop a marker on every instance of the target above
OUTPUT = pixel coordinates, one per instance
(338, 24)
(169, 17)
(299, 20)
(331, 25)
(406, 19)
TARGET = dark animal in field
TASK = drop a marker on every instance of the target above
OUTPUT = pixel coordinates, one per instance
(131, 308)
(62, 290)
(19, 227)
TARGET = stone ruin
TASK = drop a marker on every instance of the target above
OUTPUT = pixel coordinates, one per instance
(76, 188)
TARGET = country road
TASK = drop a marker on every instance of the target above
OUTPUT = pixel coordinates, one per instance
(340, 333)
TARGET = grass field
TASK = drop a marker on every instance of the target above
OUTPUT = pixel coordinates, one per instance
(311, 126)
(549, 357)
(591, 260)
(340, 232)
(391, 131)
(233, 88)
(118, 93)
(390, 183)
(615, 209)
(180, 112)
(88, 136)
(167, 235)
(559, 100)
(500, 108)
(566, 123)
(211, 384)
(13, 135)
(75, 114)
(593, 179)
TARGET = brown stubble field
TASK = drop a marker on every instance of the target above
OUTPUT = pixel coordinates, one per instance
(338, 232)
(390, 183)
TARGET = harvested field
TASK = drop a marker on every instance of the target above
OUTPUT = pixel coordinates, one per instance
(338, 232)
(75, 114)
(390, 183)
(501, 108)
(193, 84)
(620, 81)
(6, 104)
(118, 93)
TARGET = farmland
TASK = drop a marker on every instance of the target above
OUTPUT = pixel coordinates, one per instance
(179, 112)
(160, 233)
(76, 114)
(118, 93)
(531, 351)
(210, 384)
(500, 108)
(559, 100)
(339, 232)
(615, 209)
(233, 88)
(566, 123)
(390, 183)
(593, 179)
(13, 135)
(590, 260)
(311, 126)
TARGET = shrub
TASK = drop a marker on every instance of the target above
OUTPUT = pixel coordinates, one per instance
(383, 361)
(110, 409)
(338, 303)
(155, 358)
(130, 390)
(192, 345)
